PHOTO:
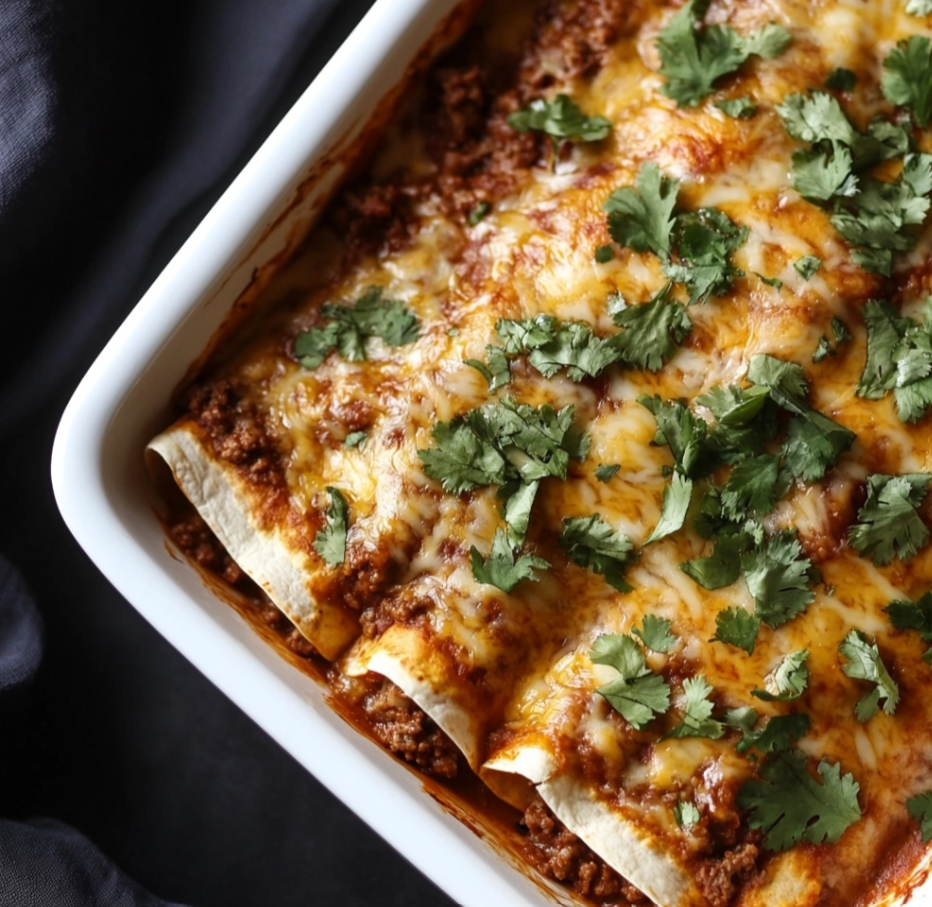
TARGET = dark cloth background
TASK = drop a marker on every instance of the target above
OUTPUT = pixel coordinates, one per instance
(122, 770)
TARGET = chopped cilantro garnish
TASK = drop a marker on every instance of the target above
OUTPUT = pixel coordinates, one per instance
(561, 119)
(737, 627)
(841, 79)
(807, 266)
(478, 213)
(919, 7)
(788, 681)
(694, 56)
(776, 735)
(870, 214)
(888, 524)
(504, 569)
(591, 542)
(686, 814)
(684, 432)
(864, 663)
(697, 717)
(604, 254)
(676, 497)
(734, 405)
(790, 806)
(917, 615)
(739, 108)
(907, 81)
(778, 574)
(349, 327)
(637, 694)
(355, 439)
(899, 358)
(704, 240)
(330, 541)
(641, 218)
(462, 460)
(655, 633)
(840, 331)
(824, 349)
(519, 499)
(606, 471)
(920, 808)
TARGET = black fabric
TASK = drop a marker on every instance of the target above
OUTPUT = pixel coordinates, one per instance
(122, 770)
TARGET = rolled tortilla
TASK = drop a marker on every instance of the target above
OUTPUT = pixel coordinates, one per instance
(229, 506)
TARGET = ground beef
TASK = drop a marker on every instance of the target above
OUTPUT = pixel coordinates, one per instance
(719, 878)
(194, 537)
(392, 609)
(406, 730)
(559, 854)
(373, 217)
(236, 434)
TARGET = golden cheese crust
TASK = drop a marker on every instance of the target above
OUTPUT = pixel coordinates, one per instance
(509, 676)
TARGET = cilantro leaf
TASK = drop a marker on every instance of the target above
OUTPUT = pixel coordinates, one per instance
(684, 433)
(655, 633)
(919, 7)
(841, 79)
(606, 471)
(888, 523)
(821, 175)
(676, 498)
(864, 663)
(694, 57)
(722, 567)
(604, 254)
(477, 215)
(822, 350)
(776, 735)
(652, 331)
(777, 573)
(739, 108)
(686, 814)
(907, 81)
(886, 333)
(697, 720)
(641, 218)
(751, 488)
(807, 266)
(355, 439)
(498, 370)
(637, 694)
(560, 118)
(735, 405)
(917, 615)
(704, 239)
(351, 326)
(503, 568)
(519, 499)
(785, 380)
(920, 808)
(591, 542)
(460, 460)
(737, 627)
(789, 680)
(790, 806)
(330, 541)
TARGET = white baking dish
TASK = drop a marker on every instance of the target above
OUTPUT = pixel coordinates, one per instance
(102, 489)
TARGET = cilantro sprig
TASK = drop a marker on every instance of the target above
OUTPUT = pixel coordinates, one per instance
(694, 56)
(504, 568)
(920, 809)
(864, 663)
(789, 679)
(908, 78)
(697, 713)
(637, 694)
(789, 805)
(348, 328)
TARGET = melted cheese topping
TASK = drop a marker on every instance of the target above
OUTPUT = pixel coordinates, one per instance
(519, 663)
